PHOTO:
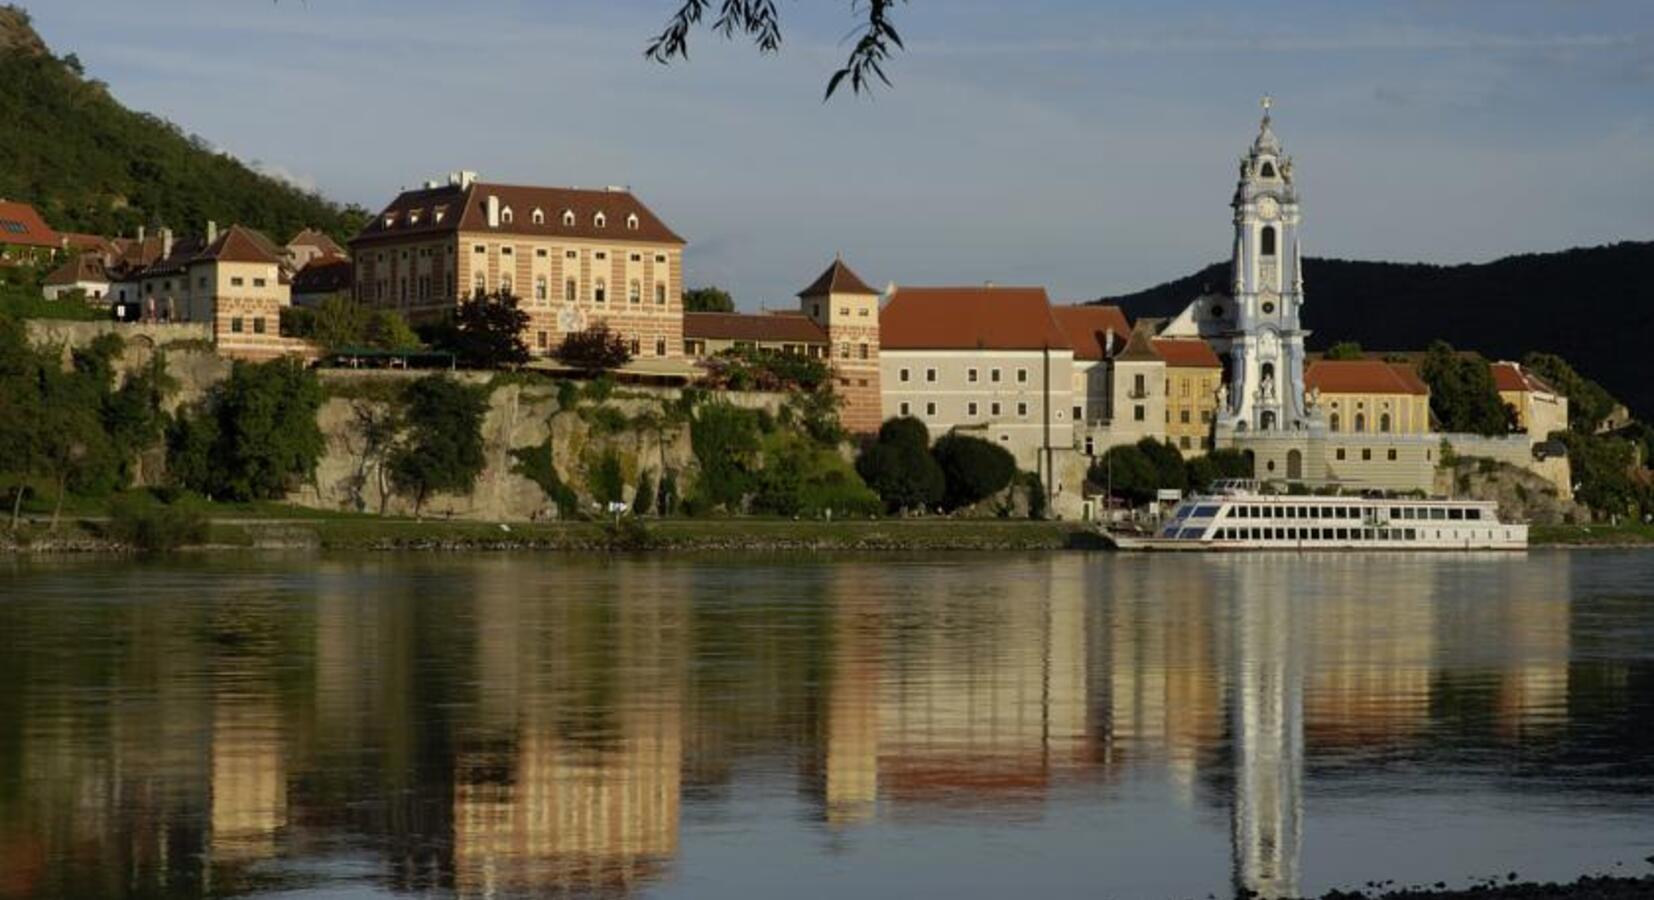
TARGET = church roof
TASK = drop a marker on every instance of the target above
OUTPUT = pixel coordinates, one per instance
(970, 318)
(838, 279)
(1364, 376)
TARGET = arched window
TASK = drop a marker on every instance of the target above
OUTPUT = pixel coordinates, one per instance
(600, 220)
(1266, 422)
(631, 222)
(1268, 170)
(1384, 423)
(505, 215)
(1360, 422)
(538, 217)
(569, 290)
(600, 291)
(1268, 371)
(1268, 242)
(634, 292)
(568, 218)
(1335, 421)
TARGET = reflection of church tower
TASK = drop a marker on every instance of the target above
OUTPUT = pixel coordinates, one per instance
(1268, 726)
(1266, 351)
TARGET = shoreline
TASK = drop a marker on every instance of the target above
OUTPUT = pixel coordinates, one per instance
(1586, 887)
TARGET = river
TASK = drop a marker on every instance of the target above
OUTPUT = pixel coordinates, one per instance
(954, 725)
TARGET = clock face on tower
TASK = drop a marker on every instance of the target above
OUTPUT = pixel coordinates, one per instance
(1268, 209)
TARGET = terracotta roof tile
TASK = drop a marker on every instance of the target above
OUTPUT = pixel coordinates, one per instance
(414, 213)
(324, 275)
(310, 237)
(83, 267)
(838, 279)
(1363, 376)
(768, 328)
(1509, 376)
(1187, 353)
(1088, 326)
(969, 318)
(21, 226)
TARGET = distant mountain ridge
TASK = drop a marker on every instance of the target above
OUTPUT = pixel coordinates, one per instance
(1594, 306)
(87, 163)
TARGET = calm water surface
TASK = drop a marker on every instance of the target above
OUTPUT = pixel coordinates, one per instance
(954, 726)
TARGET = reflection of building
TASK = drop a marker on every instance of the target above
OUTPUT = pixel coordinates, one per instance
(249, 783)
(1267, 722)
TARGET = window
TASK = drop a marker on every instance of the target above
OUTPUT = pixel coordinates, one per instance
(902, 375)
(542, 341)
(258, 324)
(505, 215)
(1339, 453)
(660, 293)
(970, 409)
(541, 292)
(235, 281)
(538, 217)
(505, 284)
(1139, 386)
(634, 292)
(1360, 422)
(844, 350)
(930, 409)
(637, 347)
(1366, 453)
(1022, 376)
(970, 375)
(930, 376)
(631, 222)
(505, 251)
(570, 289)
(568, 219)
(1138, 413)
(862, 351)
(1384, 422)
(993, 375)
(1184, 416)
(1078, 413)
(478, 248)
(1022, 410)
(993, 408)
(235, 325)
(1268, 170)
(600, 221)
(600, 291)
(903, 408)
(1392, 454)
(1334, 421)
(570, 254)
(1183, 442)
(660, 346)
(636, 257)
(481, 285)
(601, 254)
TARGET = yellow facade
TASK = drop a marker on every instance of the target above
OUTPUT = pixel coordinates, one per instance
(1191, 407)
(1383, 413)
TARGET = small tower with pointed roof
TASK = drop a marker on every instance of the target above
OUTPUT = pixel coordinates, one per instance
(847, 310)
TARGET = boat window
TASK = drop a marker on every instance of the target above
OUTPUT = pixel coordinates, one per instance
(1410, 533)
(1206, 512)
(1395, 512)
(1473, 514)
(1437, 512)
(1343, 534)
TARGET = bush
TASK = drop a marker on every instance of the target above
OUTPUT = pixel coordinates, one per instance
(668, 499)
(972, 469)
(535, 463)
(643, 499)
(905, 476)
(606, 420)
(599, 389)
(1036, 495)
(148, 524)
(568, 396)
(726, 443)
(594, 350)
(607, 478)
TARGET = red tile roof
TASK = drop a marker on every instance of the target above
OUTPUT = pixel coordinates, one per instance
(324, 275)
(21, 226)
(764, 328)
(1088, 326)
(1187, 353)
(84, 267)
(1363, 376)
(414, 213)
(969, 318)
(94, 242)
(310, 237)
(1509, 376)
(838, 279)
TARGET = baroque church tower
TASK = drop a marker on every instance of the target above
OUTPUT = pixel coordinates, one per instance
(1265, 390)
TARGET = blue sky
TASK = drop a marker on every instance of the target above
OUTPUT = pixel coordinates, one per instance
(1085, 145)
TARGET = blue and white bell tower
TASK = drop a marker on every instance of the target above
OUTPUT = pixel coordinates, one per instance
(1265, 391)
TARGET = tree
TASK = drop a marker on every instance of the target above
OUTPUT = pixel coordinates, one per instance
(1463, 396)
(340, 322)
(443, 450)
(899, 467)
(1345, 350)
(643, 499)
(972, 469)
(876, 36)
(708, 299)
(387, 330)
(256, 436)
(1225, 463)
(487, 332)
(1588, 402)
(594, 350)
(1128, 472)
(725, 439)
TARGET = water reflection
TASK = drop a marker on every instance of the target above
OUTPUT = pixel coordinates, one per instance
(517, 726)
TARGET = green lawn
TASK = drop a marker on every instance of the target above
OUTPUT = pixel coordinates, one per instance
(1588, 535)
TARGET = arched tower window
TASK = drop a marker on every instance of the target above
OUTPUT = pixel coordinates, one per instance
(1268, 170)
(1268, 240)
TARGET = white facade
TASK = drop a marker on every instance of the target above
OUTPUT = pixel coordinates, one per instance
(998, 395)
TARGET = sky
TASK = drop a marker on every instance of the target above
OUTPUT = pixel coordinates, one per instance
(1089, 146)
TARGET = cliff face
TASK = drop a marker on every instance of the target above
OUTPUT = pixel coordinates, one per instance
(351, 475)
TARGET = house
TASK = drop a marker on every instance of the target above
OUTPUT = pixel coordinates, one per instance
(230, 280)
(573, 257)
(1370, 396)
(708, 334)
(25, 238)
(83, 272)
(1194, 378)
(308, 246)
(323, 277)
(1541, 410)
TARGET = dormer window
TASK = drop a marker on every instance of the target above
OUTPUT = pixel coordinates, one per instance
(538, 217)
(505, 215)
(631, 222)
(438, 216)
(413, 218)
(389, 221)
(600, 221)
(568, 218)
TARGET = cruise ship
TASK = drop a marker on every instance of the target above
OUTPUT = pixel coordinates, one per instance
(1235, 515)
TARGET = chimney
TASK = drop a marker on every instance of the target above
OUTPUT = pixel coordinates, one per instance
(1108, 343)
(141, 230)
(212, 231)
(493, 211)
(467, 178)
(166, 242)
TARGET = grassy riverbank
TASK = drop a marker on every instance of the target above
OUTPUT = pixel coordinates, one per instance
(1592, 535)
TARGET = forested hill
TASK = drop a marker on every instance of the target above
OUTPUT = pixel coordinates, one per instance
(1593, 306)
(89, 164)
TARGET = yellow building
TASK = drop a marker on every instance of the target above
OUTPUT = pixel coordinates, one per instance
(231, 280)
(1369, 396)
(1193, 374)
(1540, 408)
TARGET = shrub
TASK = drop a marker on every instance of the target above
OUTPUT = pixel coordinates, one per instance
(152, 526)
(599, 389)
(606, 420)
(668, 500)
(535, 463)
(643, 499)
(972, 469)
(725, 440)
(1036, 495)
(594, 350)
(568, 396)
(904, 476)
(606, 478)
